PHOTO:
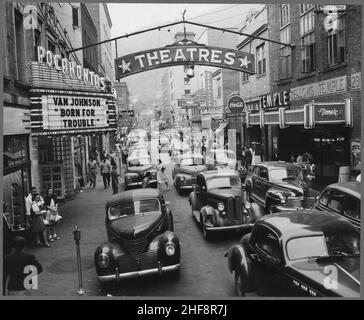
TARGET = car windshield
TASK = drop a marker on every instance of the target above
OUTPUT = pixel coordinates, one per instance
(340, 244)
(221, 182)
(280, 173)
(145, 207)
(192, 161)
(139, 162)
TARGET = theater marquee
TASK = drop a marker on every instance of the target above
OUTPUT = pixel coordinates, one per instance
(181, 55)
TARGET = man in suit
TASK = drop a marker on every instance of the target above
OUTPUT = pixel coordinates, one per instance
(18, 267)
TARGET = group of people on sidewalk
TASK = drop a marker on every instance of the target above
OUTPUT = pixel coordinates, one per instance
(42, 216)
(108, 170)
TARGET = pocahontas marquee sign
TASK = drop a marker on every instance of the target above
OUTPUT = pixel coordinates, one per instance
(173, 55)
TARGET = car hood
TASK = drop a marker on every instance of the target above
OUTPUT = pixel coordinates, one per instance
(133, 227)
(346, 269)
(299, 187)
(232, 192)
(191, 169)
(139, 169)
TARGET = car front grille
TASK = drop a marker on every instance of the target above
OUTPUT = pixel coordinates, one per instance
(293, 202)
(143, 261)
(135, 246)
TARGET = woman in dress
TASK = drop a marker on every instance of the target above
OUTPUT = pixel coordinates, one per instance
(162, 180)
(38, 225)
(51, 206)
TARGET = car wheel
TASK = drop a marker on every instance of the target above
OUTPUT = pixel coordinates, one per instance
(206, 233)
(238, 284)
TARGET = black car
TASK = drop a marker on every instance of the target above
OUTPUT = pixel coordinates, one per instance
(141, 241)
(136, 168)
(279, 186)
(298, 253)
(342, 198)
(218, 203)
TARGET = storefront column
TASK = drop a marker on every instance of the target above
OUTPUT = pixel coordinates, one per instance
(68, 165)
(34, 158)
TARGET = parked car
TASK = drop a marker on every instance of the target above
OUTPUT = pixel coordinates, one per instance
(136, 168)
(298, 253)
(279, 186)
(178, 148)
(221, 159)
(218, 203)
(141, 241)
(342, 198)
(185, 169)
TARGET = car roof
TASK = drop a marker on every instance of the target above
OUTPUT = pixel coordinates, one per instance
(352, 188)
(301, 223)
(223, 172)
(134, 195)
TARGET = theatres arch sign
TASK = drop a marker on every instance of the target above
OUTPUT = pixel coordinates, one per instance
(177, 54)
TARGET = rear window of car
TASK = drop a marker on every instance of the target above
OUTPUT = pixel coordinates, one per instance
(192, 161)
(223, 182)
(137, 208)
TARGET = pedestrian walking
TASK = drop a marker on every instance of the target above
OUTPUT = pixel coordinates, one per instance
(146, 180)
(162, 179)
(105, 169)
(52, 216)
(114, 176)
(248, 156)
(15, 271)
(92, 168)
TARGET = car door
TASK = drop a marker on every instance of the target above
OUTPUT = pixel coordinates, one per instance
(267, 262)
(199, 190)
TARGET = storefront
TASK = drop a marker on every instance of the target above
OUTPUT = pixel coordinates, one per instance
(72, 112)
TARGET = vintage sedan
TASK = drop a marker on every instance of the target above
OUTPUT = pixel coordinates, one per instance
(279, 186)
(218, 203)
(342, 198)
(221, 159)
(185, 169)
(298, 253)
(136, 167)
(141, 241)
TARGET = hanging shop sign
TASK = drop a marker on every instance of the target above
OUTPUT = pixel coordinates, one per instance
(274, 101)
(356, 81)
(235, 106)
(52, 71)
(329, 113)
(322, 88)
(173, 55)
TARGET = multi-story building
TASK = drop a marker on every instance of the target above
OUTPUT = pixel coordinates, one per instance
(123, 96)
(99, 13)
(263, 23)
(313, 100)
(47, 132)
(89, 36)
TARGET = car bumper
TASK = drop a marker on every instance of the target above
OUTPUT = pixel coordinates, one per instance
(120, 276)
(234, 227)
(139, 183)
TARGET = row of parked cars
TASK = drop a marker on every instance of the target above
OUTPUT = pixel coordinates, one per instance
(296, 242)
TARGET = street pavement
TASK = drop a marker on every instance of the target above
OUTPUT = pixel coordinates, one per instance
(204, 271)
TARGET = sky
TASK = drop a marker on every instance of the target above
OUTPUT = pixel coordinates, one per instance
(130, 17)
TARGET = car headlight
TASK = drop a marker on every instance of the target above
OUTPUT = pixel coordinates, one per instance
(181, 178)
(282, 198)
(248, 205)
(170, 249)
(103, 260)
(220, 206)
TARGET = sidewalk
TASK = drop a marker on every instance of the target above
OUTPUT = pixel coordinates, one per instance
(60, 277)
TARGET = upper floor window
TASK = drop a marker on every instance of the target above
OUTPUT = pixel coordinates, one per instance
(244, 77)
(219, 88)
(19, 46)
(336, 42)
(307, 34)
(306, 7)
(284, 14)
(261, 60)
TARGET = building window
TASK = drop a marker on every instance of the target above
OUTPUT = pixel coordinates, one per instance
(306, 7)
(284, 14)
(336, 42)
(244, 77)
(261, 67)
(19, 46)
(51, 46)
(219, 88)
(307, 27)
(75, 17)
(285, 68)
(187, 91)
(7, 63)
(186, 80)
